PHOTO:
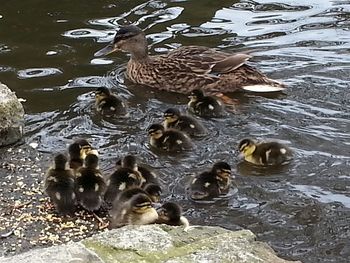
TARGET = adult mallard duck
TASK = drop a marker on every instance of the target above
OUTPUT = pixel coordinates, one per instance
(189, 67)
(264, 153)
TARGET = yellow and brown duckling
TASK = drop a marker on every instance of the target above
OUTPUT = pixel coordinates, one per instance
(107, 103)
(125, 177)
(174, 119)
(168, 140)
(78, 151)
(213, 183)
(204, 106)
(132, 207)
(154, 191)
(264, 153)
(59, 185)
(187, 68)
(90, 184)
(171, 214)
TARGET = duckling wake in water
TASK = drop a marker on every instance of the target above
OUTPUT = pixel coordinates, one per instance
(90, 184)
(265, 153)
(187, 68)
(204, 106)
(174, 119)
(168, 140)
(107, 103)
(132, 207)
(59, 185)
(213, 183)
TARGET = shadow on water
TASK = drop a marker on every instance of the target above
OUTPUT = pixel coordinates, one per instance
(300, 209)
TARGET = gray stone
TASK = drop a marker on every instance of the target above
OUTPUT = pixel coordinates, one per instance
(11, 117)
(158, 243)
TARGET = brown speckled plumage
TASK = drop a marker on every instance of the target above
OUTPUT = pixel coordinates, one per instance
(185, 68)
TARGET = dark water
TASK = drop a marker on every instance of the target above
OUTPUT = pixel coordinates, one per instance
(302, 210)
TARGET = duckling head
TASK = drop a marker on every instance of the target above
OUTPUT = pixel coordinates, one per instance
(247, 147)
(74, 148)
(154, 191)
(171, 115)
(142, 205)
(222, 169)
(87, 149)
(169, 211)
(128, 38)
(196, 95)
(129, 161)
(156, 131)
(91, 161)
(101, 93)
(60, 162)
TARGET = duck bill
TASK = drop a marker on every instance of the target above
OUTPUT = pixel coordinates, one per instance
(110, 48)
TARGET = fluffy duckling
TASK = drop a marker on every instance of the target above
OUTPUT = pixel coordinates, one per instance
(125, 177)
(107, 103)
(132, 207)
(148, 176)
(78, 151)
(171, 214)
(168, 140)
(204, 106)
(174, 119)
(59, 185)
(212, 183)
(90, 184)
(264, 153)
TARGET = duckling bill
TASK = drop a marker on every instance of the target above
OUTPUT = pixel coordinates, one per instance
(264, 153)
(59, 185)
(187, 124)
(213, 183)
(169, 140)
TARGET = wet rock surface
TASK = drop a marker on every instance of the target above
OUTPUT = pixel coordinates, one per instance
(11, 117)
(158, 243)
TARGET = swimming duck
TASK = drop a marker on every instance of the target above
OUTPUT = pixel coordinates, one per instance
(107, 103)
(174, 119)
(187, 68)
(78, 151)
(212, 183)
(59, 185)
(171, 214)
(264, 153)
(132, 207)
(168, 140)
(125, 177)
(90, 184)
(204, 106)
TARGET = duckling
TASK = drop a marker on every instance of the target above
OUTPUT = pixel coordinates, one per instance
(107, 103)
(78, 151)
(264, 153)
(90, 184)
(132, 207)
(212, 183)
(204, 106)
(125, 177)
(59, 185)
(168, 140)
(174, 119)
(188, 67)
(171, 214)
(148, 176)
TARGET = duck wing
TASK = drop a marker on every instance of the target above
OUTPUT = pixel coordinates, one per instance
(203, 60)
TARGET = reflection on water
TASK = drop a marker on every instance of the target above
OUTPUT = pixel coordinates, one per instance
(301, 209)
